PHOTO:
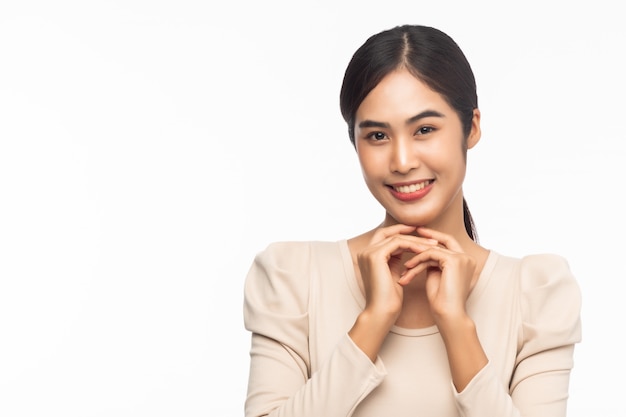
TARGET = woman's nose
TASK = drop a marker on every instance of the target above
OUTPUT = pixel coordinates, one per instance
(404, 156)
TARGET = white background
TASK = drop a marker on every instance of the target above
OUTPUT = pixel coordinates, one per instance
(149, 149)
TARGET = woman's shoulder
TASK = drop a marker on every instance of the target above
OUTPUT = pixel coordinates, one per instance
(279, 277)
(289, 260)
(544, 270)
(547, 287)
(536, 267)
(550, 303)
(291, 252)
(534, 276)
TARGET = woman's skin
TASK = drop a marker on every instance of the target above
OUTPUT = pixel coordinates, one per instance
(418, 267)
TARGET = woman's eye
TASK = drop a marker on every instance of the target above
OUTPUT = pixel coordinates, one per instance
(377, 136)
(425, 130)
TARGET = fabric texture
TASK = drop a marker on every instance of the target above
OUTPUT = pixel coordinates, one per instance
(302, 298)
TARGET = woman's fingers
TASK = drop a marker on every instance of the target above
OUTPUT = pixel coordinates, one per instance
(396, 246)
(443, 238)
(381, 263)
(412, 272)
(457, 264)
(433, 256)
(396, 229)
(395, 240)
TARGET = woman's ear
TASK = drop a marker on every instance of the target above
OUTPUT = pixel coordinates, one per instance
(474, 135)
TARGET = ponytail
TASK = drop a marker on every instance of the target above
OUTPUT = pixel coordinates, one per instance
(470, 228)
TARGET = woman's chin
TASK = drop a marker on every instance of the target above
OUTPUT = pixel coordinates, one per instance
(407, 219)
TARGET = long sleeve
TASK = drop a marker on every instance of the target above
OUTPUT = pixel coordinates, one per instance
(549, 306)
(276, 312)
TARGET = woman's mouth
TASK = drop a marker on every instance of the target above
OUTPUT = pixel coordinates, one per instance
(414, 191)
(406, 189)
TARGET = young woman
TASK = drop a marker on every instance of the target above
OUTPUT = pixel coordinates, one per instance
(414, 317)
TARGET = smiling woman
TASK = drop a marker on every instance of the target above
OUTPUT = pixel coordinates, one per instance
(412, 317)
(416, 146)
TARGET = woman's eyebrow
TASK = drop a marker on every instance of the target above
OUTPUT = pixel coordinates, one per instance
(423, 115)
(384, 125)
(372, 123)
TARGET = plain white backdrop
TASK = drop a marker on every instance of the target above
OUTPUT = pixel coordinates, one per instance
(149, 149)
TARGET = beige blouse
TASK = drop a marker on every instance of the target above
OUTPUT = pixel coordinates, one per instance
(301, 298)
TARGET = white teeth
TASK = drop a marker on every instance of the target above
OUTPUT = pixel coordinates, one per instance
(411, 188)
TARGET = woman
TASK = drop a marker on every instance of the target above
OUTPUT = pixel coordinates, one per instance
(414, 317)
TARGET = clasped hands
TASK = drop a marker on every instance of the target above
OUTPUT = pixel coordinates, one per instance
(398, 255)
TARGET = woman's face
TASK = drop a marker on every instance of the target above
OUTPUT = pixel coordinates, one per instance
(411, 149)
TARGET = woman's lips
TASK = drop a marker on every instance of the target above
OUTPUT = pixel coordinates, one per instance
(412, 191)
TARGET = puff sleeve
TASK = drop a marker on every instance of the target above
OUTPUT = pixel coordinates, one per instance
(551, 326)
(548, 306)
(276, 312)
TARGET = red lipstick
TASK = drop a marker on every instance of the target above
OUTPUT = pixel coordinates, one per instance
(413, 195)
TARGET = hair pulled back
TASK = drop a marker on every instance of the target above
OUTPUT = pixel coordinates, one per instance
(431, 56)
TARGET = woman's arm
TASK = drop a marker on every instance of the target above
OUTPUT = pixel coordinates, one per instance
(550, 312)
(281, 382)
(550, 304)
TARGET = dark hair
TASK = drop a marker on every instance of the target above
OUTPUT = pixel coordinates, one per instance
(431, 56)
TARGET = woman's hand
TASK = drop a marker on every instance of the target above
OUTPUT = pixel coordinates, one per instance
(451, 275)
(381, 267)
